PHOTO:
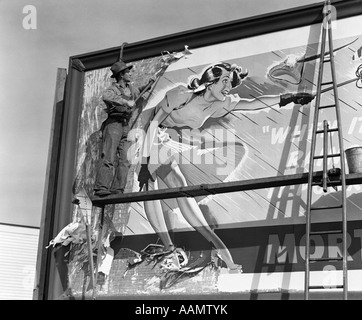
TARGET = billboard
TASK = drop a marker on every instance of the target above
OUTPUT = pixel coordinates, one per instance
(215, 114)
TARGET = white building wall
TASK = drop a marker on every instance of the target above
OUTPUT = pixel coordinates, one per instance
(18, 254)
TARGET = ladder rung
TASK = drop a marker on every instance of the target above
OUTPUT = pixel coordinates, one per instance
(340, 286)
(327, 232)
(328, 60)
(327, 83)
(329, 183)
(329, 130)
(328, 156)
(327, 106)
(326, 208)
(325, 259)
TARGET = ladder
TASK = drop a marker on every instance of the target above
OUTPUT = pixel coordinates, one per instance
(332, 177)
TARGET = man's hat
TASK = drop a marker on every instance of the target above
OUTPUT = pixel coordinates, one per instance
(118, 67)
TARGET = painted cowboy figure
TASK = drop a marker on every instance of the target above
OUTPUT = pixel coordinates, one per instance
(120, 101)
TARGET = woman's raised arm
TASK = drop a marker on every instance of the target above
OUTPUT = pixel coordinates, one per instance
(272, 101)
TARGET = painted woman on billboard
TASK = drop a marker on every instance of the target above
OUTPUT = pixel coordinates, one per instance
(184, 108)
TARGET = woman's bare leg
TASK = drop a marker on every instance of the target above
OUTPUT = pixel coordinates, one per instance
(155, 215)
(193, 215)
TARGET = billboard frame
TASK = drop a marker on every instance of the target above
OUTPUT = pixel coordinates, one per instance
(61, 164)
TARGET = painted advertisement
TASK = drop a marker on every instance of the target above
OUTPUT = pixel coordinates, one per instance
(233, 111)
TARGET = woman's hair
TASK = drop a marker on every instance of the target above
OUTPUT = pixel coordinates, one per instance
(212, 75)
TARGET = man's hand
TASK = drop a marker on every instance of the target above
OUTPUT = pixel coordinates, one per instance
(144, 176)
(301, 98)
(153, 78)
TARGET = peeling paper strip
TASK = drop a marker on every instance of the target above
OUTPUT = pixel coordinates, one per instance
(106, 263)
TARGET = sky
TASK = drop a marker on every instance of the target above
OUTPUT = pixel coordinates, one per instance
(29, 59)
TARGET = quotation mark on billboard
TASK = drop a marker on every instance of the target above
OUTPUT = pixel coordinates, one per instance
(29, 21)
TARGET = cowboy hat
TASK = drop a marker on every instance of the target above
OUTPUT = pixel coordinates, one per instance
(119, 66)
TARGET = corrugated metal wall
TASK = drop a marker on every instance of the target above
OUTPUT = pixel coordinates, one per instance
(18, 254)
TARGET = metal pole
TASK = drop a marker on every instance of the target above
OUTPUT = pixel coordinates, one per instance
(99, 247)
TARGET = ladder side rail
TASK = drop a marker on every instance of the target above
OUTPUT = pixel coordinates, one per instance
(325, 152)
(311, 166)
(342, 160)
